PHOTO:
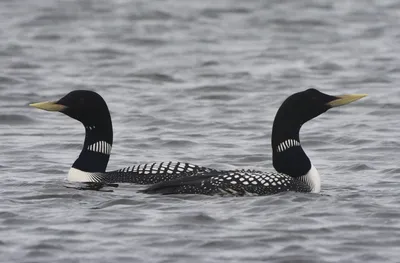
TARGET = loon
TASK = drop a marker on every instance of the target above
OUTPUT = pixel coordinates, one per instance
(91, 110)
(294, 170)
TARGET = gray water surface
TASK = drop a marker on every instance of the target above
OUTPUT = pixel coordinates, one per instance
(200, 82)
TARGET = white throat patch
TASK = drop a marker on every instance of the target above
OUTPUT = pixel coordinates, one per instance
(283, 146)
(101, 147)
(313, 179)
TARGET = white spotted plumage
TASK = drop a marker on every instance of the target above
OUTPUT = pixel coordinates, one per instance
(241, 182)
(169, 168)
(140, 174)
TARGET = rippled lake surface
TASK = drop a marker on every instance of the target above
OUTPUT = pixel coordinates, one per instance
(200, 81)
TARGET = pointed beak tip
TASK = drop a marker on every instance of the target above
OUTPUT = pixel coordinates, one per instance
(48, 106)
(35, 105)
(345, 99)
(362, 95)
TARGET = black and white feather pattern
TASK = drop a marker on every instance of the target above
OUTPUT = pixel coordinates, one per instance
(149, 173)
(101, 147)
(237, 183)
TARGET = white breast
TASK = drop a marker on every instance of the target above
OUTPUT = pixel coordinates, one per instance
(76, 175)
(313, 179)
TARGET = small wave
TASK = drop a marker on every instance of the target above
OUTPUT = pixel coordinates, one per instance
(45, 246)
(38, 253)
(156, 77)
(372, 33)
(299, 22)
(214, 88)
(9, 80)
(200, 218)
(118, 202)
(223, 97)
(105, 51)
(51, 196)
(145, 41)
(24, 65)
(209, 63)
(327, 66)
(217, 12)
(220, 244)
(150, 15)
(14, 119)
(49, 16)
(358, 167)
(7, 215)
(392, 171)
(47, 37)
(376, 79)
(179, 143)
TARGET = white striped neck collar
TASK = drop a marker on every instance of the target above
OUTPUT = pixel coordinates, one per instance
(100, 147)
(96, 150)
(287, 144)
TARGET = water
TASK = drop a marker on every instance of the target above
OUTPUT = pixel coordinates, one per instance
(200, 81)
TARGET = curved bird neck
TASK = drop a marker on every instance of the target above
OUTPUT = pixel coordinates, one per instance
(288, 155)
(96, 147)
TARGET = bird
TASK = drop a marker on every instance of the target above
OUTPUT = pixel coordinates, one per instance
(91, 110)
(294, 170)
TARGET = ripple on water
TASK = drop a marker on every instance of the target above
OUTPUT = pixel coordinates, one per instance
(15, 119)
(24, 65)
(118, 202)
(178, 143)
(150, 15)
(222, 97)
(158, 77)
(73, 195)
(327, 67)
(10, 80)
(148, 41)
(6, 214)
(299, 23)
(45, 246)
(200, 81)
(198, 218)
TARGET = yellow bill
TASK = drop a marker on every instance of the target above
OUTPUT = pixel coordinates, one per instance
(345, 99)
(48, 105)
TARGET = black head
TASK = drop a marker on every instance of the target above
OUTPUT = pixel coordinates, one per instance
(89, 108)
(306, 105)
(288, 155)
(85, 106)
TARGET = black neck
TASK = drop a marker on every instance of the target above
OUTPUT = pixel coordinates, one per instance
(288, 160)
(96, 148)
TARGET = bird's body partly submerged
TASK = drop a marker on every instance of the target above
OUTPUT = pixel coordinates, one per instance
(239, 183)
(295, 171)
(91, 110)
(148, 173)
